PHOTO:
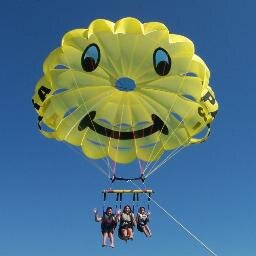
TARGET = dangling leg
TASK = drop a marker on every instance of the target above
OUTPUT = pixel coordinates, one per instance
(148, 231)
(129, 233)
(111, 238)
(104, 239)
(124, 233)
(144, 230)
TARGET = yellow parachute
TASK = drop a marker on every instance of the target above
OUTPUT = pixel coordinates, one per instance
(125, 90)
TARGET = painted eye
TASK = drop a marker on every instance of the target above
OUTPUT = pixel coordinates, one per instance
(90, 58)
(162, 62)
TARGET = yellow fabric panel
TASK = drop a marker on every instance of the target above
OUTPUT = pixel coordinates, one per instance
(177, 138)
(139, 112)
(49, 135)
(129, 26)
(122, 151)
(128, 52)
(151, 154)
(199, 68)
(149, 148)
(42, 82)
(174, 38)
(185, 108)
(141, 67)
(149, 27)
(126, 55)
(181, 85)
(74, 119)
(66, 56)
(181, 51)
(75, 38)
(89, 97)
(111, 108)
(153, 105)
(123, 115)
(101, 26)
(70, 122)
(72, 79)
(180, 46)
(108, 114)
(110, 53)
(91, 148)
(208, 104)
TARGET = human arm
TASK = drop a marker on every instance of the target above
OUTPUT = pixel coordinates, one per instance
(148, 216)
(96, 217)
(118, 215)
(138, 217)
(133, 220)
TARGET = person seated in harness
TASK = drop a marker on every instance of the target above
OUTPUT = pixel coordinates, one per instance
(108, 225)
(142, 221)
(127, 222)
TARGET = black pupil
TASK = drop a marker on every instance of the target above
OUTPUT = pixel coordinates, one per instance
(89, 64)
(162, 68)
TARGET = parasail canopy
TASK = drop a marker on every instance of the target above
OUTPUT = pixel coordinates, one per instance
(125, 90)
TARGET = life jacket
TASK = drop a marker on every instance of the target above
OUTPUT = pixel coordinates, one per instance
(108, 220)
(142, 219)
(125, 223)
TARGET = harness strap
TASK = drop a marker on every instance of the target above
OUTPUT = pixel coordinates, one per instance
(121, 198)
(114, 178)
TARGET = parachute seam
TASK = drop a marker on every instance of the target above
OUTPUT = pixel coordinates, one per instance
(80, 106)
(156, 43)
(109, 59)
(173, 93)
(135, 142)
(119, 131)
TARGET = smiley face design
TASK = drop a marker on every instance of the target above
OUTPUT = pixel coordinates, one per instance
(125, 90)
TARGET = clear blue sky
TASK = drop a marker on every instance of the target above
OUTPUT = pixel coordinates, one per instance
(47, 191)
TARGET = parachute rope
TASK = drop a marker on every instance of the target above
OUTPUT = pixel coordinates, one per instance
(119, 131)
(173, 132)
(178, 149)
(106, 160)
(171, 155)
(177, 222)
(169, 111)
(142, 169)
(113, 169)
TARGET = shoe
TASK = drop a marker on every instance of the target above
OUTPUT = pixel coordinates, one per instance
(104, 245)
(112, 246)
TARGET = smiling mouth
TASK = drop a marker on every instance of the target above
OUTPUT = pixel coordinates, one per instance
(88, 122)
